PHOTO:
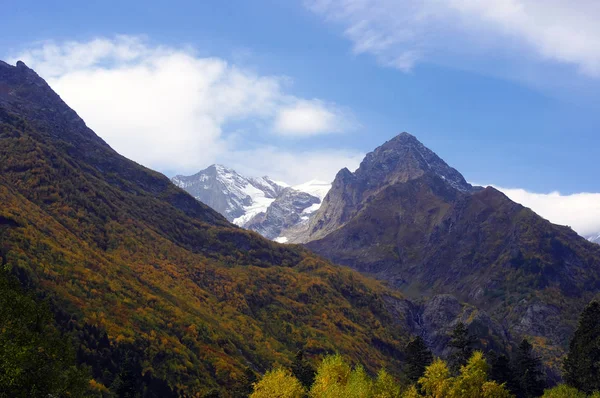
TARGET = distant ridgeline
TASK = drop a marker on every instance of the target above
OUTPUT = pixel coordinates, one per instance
(116, 282)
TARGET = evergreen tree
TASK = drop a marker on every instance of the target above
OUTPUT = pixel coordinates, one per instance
(303, 370)
(245, 384)
(529, 372)
(502, 371)
(417, 357)
(35, 359)
(461, 343)
(582, 364)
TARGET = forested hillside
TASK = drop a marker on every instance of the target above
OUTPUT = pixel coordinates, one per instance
(160, 293)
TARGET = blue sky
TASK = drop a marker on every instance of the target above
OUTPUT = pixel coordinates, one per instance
(506, 93)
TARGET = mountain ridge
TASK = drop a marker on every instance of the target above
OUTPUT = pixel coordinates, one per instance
(154, 286)
(401, 220)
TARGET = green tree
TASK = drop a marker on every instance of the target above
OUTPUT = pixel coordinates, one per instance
(417, 358)
(582, 364)
(35, 360)
(461, 343)
(278, 383)
(245, 384)
(303, 370)
(564, 391)
(501, 371)
(529, 371)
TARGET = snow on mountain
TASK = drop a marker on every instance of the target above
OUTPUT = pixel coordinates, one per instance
(315, 188)
(237, 197)
(261, 204)
(594, 238)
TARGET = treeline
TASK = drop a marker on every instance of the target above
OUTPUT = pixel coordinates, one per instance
(38, 359)
(465, 374)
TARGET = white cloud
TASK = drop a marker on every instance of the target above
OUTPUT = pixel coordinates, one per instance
(305, 118)
(170, 109)
(399, 33)
(581, 211)
(294, 167)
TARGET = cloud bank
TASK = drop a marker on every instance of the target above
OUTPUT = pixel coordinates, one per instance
(581, 211)
(172, 110)
(400, 33)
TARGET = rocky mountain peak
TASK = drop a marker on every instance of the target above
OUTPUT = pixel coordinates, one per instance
(404, 158)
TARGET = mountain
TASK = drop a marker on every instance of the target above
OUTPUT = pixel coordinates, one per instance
(408, 218)
(259, 204)
(399, 160)
(236, 197)
(159, 292)
(594, 238)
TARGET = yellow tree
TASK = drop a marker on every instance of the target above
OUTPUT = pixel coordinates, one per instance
(385, 386)
(278, 383)
(436, 381)
(471, 379)
(563, 391)
(359, 384)
(331, 379)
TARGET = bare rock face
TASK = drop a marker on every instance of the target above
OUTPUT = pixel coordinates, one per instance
(285, 212)
(399, 160)
(435, 318)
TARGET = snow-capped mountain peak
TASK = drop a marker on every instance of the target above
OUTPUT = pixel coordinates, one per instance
(230, 193)
(258, 203)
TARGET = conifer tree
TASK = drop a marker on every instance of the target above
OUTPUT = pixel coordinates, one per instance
(303, 370)
(502, 371)
(529, 372)
(245, 384)
(461, 343)
(417, 357)
(582, 364)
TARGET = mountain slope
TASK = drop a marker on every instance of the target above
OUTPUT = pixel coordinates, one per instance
(413, 221)
(155, 286)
